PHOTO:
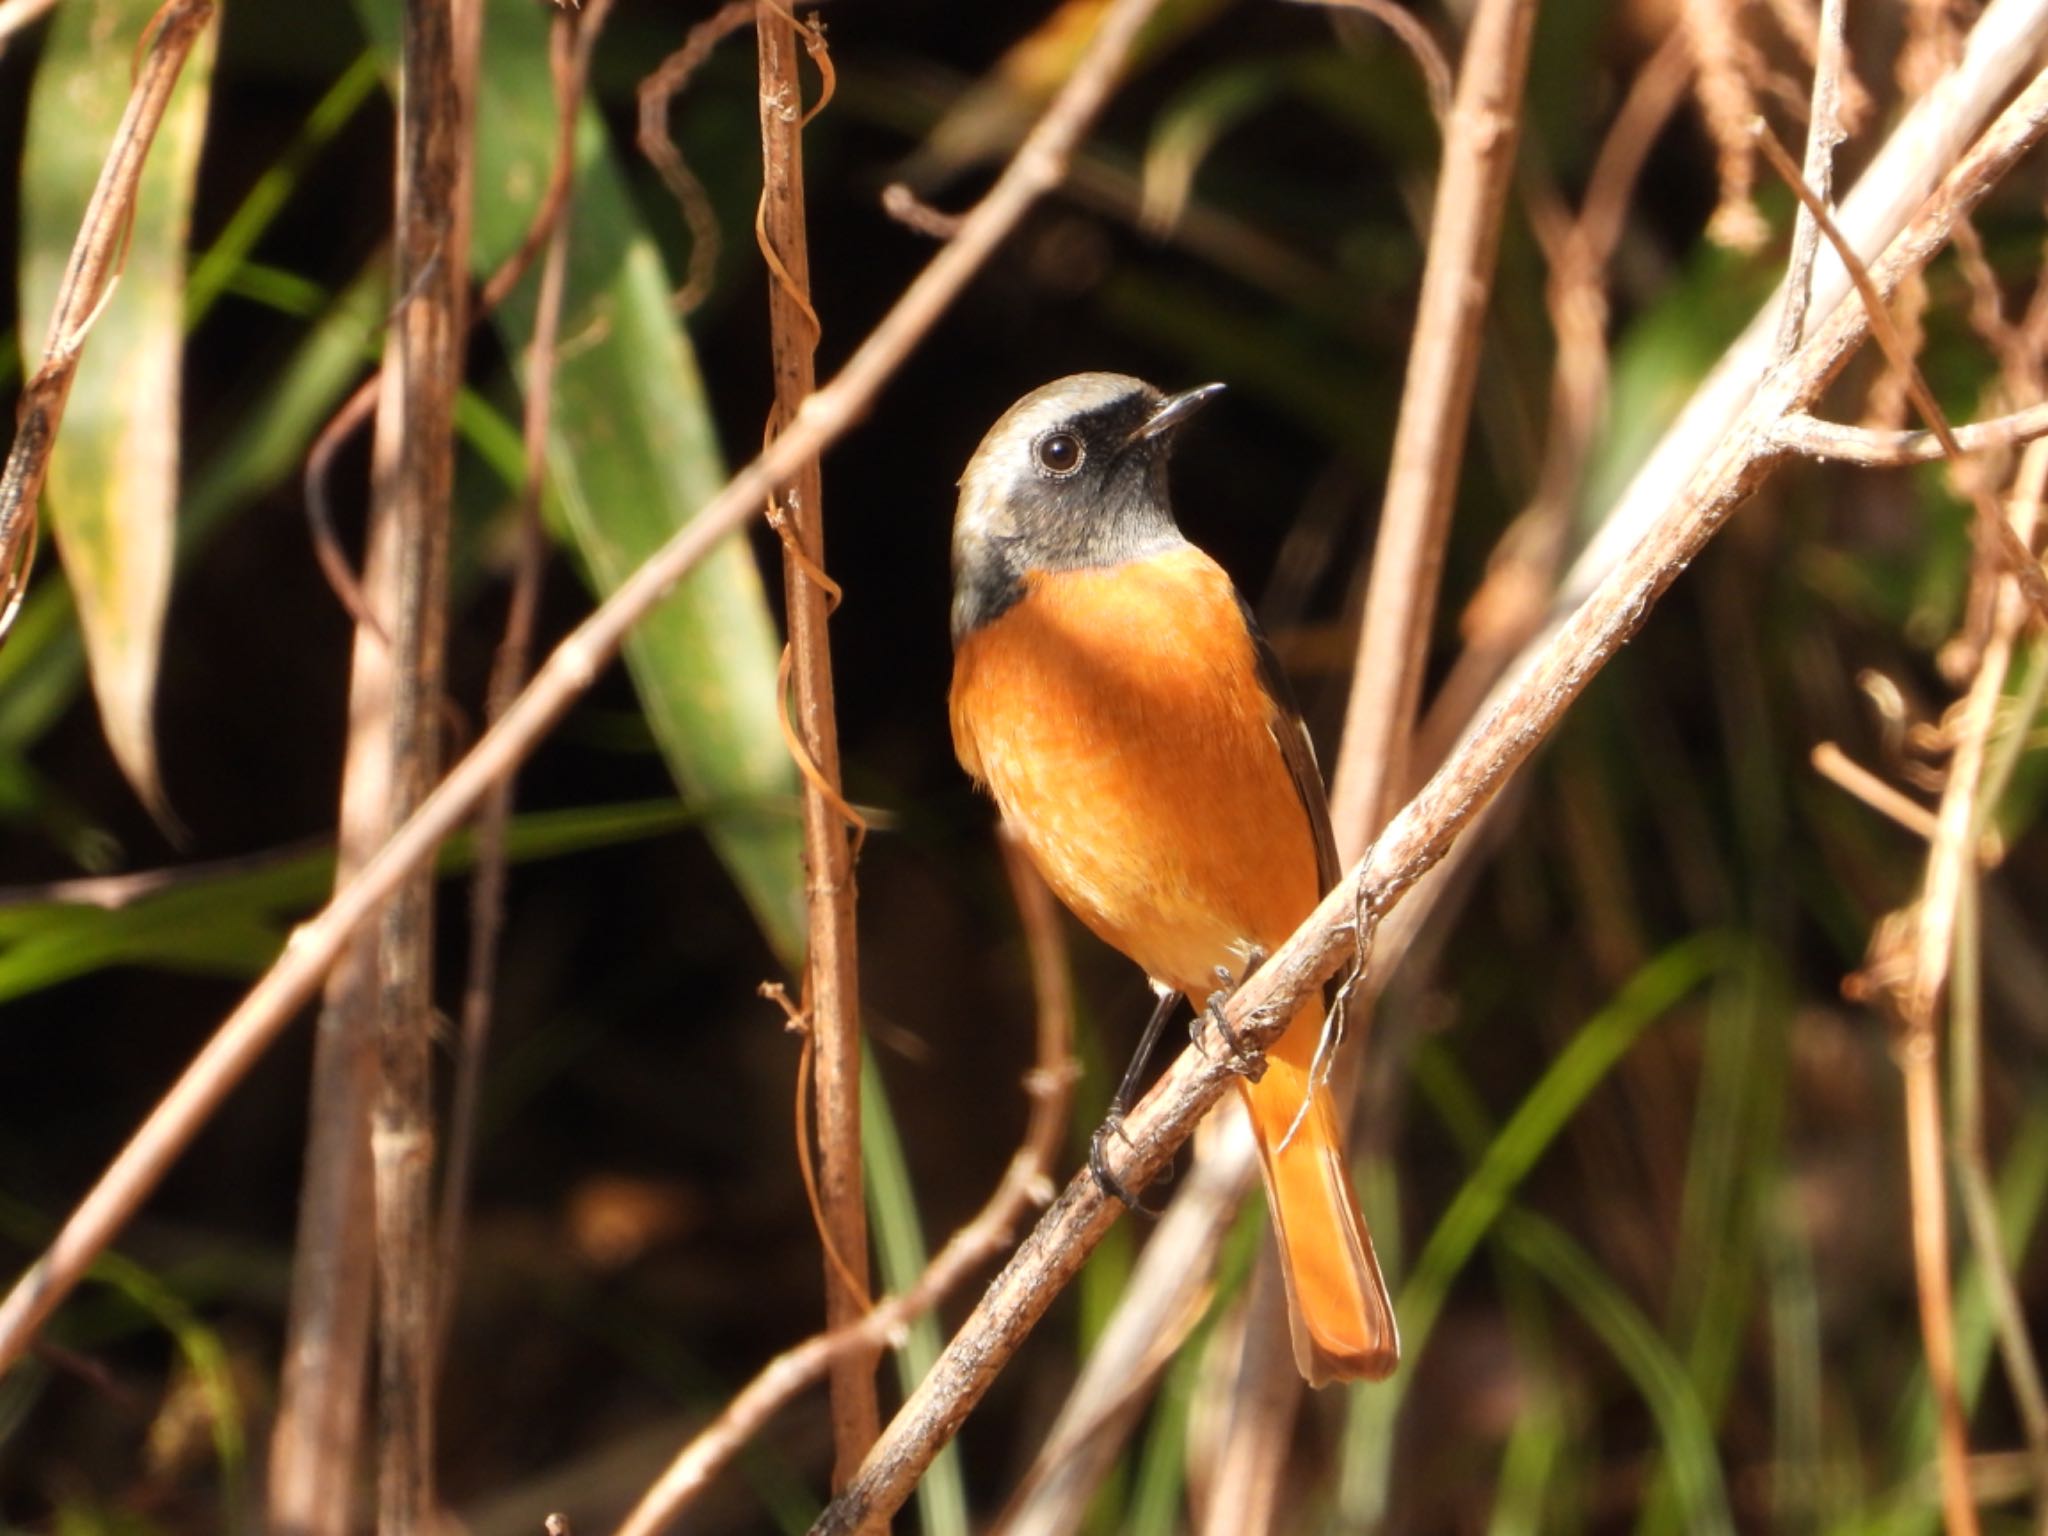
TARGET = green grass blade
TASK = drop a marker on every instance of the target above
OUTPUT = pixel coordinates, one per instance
(1660, 1377)
(274, 188)
(1586, 1059)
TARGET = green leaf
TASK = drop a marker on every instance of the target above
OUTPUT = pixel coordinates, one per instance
(633, 456)
(112, 492)
(230, 919)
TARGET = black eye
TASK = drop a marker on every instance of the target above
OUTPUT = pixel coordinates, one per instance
(1060, 453)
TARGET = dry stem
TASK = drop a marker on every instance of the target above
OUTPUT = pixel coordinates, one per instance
(88, 279)
(1443, 365)
(414, 455)
(1025, 1183)
(1414, 841)
(832, 968)
(1819, 439)
(563, 678)
(1824, 133)
(573, 38)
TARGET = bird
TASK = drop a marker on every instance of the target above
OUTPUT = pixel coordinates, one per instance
(1113, 694)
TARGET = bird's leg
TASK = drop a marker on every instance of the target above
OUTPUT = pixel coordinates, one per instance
(1251, 1064)
(1119, 1106)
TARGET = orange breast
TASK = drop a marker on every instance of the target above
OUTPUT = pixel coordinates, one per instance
(1116, 716)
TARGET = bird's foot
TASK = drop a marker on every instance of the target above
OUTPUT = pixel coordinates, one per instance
(1250, 1063)
(1105, 1179)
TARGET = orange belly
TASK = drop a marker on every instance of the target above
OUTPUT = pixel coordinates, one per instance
(1116, 716)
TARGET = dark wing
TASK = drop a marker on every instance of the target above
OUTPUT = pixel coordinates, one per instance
(1300, 753)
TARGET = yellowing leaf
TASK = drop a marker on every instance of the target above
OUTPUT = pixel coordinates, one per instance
(112, 492)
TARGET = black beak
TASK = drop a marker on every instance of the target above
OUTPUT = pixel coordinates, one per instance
(1174, 410)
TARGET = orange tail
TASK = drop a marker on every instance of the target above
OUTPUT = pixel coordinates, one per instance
(1337, 1305)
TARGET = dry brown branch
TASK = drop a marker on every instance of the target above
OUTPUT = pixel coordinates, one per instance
(1801, 433)
(832, 967)
(1025, 1183)
(1417, 838)
(412, 488)
(1164, 1299)
(1519, 589)
(1443, 365)
(572, 40)
(657, 94)
(563, 678)
(88, 280)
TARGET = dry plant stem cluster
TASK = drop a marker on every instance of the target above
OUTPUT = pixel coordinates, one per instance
(831, 969)
(1025, 1184)
(566, 674)
(88, 279)
(1529, 706)
(313, 1445)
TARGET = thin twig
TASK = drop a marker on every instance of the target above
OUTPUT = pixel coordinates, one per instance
(564, 677)
(657, 94)
(1824, 133)
(1819, 439)
(1415, 37)
(82, 292)
(1527, 709)
(1443, 366)
(1994, 535)
(1843, 771)
(832, 966)
(572, 39)
(1025, 1183)
(1972, 1157)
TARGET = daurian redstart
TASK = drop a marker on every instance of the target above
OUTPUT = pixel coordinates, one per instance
(1113, 693)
